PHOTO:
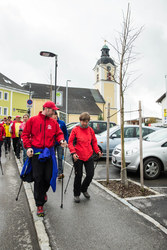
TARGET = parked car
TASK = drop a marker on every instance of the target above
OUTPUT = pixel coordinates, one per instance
(131, 132)
(70, 124)
(154, 154)
(98, 126)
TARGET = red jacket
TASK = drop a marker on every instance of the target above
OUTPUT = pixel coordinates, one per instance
(85, 141)
(2, 132)
(13, 128)
(41, 131)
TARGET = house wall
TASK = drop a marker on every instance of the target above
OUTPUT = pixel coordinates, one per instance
(16, 103)
(5, 103)
(75, 118)
(19, 103)
(37, 106)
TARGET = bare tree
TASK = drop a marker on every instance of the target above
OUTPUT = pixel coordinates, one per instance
(126, 56)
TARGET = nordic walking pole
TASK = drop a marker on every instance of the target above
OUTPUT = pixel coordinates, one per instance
(19, 190)
(68, 180)
(96, 164)
(21, 184)
(1, 167)
(62, 179)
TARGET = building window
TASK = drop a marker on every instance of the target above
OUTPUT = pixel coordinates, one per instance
(0, 110)
(109, 76)
(6, 95)
(5, 111)
(1, 95)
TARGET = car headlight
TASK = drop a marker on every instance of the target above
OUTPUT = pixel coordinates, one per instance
(131, 151)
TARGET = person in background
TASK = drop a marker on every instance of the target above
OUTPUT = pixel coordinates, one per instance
(4, 120)
(82, 142)
(21, 128)
(39, 137)
(10, 119)
(58, 148)
(8, 136)
(14, 129)
(2, 137)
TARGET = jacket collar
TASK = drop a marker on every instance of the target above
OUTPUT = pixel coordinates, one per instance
(43, 116)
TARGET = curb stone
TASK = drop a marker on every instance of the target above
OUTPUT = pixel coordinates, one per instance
(42, 236)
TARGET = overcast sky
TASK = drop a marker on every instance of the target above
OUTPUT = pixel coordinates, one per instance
(75, 30)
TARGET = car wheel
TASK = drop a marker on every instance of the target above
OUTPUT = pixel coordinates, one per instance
(152, 168)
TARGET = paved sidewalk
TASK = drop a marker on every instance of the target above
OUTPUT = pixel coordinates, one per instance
(154, 207)
(99, 223)
(16, 225)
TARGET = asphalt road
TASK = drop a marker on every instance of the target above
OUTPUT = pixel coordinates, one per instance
(17, 230)
(99, 223)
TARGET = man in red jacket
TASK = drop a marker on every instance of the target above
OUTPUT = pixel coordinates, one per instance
(2, 136)
(81, 144)
(40, 133)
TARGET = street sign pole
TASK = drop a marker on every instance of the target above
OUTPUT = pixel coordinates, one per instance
(29, 106)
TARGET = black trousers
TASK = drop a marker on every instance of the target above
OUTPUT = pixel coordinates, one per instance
(7, 143)
(42, 174)
(89, 168)
(16, 146)
(1, 142)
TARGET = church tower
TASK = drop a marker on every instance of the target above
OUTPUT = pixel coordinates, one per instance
(104, 81)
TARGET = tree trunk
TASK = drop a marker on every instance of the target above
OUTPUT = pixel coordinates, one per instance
(124, 180)
(108, 141)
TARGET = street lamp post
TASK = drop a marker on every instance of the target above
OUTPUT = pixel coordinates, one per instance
(67, 100)
(50, 54)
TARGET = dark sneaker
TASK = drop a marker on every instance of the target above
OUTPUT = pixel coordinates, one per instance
(87, 196)
(40, 211)
(77, 199)
(61, 176)
(46, 198)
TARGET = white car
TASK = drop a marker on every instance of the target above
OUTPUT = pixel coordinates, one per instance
(154, 154)
(131, 132)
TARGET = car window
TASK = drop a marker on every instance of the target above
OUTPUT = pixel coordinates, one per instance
(129, 132)
(117, 133)
(112, 124)
(145, 131)
(165, 144)
(99, 127)
(156, 136)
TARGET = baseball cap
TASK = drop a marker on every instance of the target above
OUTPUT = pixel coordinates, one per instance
(18, 116)
(50, 105)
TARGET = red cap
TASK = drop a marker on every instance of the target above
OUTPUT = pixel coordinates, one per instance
(50, 105)
(18, 116)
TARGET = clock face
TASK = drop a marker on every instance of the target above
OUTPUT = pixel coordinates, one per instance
(108, 68)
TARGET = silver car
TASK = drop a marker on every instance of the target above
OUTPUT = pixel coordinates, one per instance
(131, 132)
(154, 154)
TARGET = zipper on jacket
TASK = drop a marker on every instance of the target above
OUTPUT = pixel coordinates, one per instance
(40, 127)
(44, 131)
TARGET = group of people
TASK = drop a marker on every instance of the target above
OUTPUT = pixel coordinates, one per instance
(43, 135)
(12, 130)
